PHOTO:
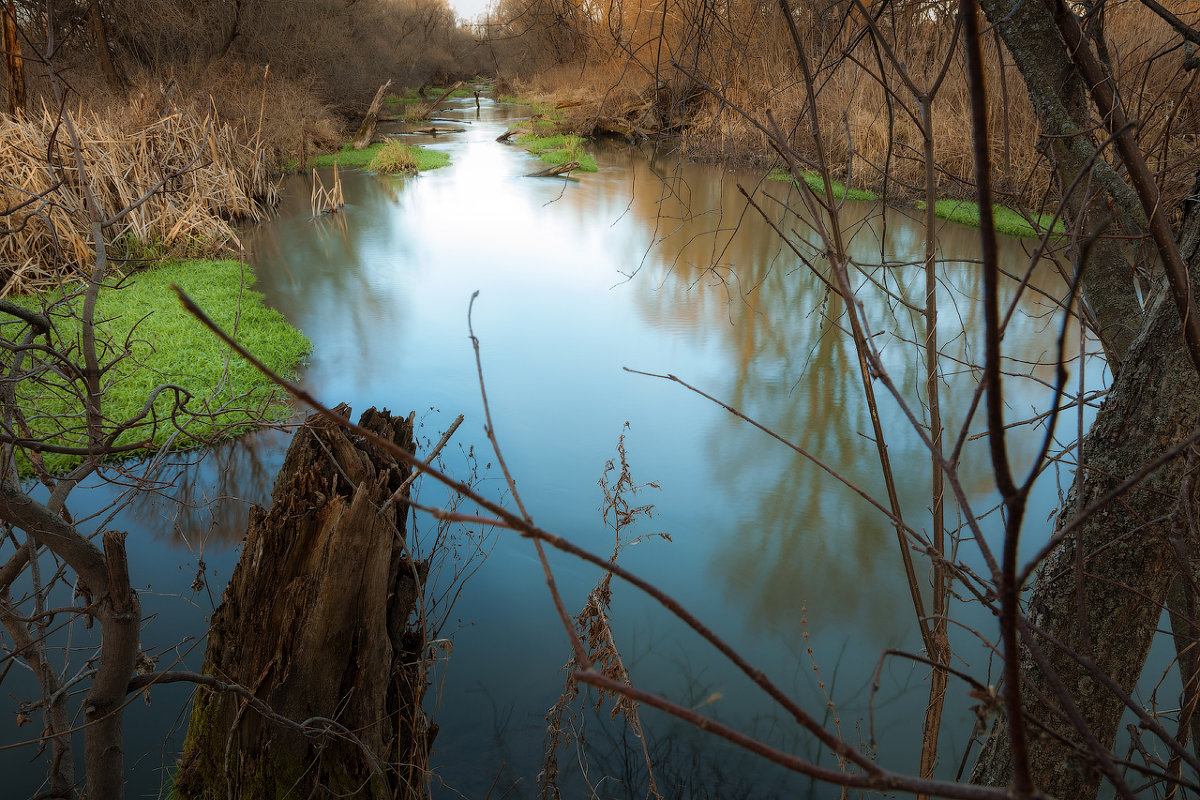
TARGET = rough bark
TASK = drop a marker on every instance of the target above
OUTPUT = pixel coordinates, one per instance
(321, 620)
(1096, 602)
(366, 131)
(1106, 615)
(99, 34)
(12, 59)
(1093, 190)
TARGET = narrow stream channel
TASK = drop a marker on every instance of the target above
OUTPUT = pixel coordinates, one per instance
(657, 265)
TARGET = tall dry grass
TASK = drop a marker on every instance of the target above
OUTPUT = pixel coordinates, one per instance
(212, 176)
(705, 65)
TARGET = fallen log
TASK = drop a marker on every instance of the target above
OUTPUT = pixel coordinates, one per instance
(435, 130)
(555, 170)
(321, 621)
(508, 134)
(443, 96)
(366, 130)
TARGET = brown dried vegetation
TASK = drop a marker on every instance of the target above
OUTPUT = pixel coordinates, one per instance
(211, 177)
(647, 68)
(594, 629)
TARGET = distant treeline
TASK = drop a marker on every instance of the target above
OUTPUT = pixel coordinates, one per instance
(697, 62)
(326, 57)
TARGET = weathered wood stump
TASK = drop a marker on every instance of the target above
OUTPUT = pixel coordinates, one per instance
(321, 621)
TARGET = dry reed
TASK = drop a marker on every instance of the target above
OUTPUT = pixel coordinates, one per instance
(211, 177)
(631, 84)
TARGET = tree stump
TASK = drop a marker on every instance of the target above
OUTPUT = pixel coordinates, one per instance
(322, 622)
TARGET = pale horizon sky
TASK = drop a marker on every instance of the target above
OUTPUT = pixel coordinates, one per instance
(469, 9)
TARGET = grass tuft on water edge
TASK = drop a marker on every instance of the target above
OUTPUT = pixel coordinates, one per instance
(349, 158)
(1007, 221)
(559, 149)
(167, 345)
(817, 184)
(397, 158)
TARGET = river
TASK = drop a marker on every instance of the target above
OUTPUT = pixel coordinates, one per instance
(658, 265)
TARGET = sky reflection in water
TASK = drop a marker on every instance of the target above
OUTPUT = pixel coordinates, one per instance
(657, 265)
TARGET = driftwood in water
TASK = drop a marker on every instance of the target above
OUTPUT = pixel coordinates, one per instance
(443, 96)
(557, 169)
(319, 623)
(508, 134)
(434, 130)
(367, 130)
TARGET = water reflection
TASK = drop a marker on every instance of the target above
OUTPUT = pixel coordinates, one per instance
(719, 270)
(660, 265)
(208, 500)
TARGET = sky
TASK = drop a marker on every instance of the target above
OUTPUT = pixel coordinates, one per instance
(467, 9)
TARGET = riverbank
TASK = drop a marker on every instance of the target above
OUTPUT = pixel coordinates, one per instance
(368, 158)
(547, 134)
(168, 378)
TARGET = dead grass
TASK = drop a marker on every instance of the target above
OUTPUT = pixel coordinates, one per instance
(282, 116)
(593, 626)
(221, 178)
(619, 90)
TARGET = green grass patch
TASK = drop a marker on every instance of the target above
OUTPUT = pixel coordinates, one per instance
(1006, 220)
(414, 96)
(349, 158)
(157, 342)
(545, 109)
(559, 149)
(397, 158)
(817, 184)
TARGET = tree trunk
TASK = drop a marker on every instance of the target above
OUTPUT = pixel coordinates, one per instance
(1128, 565)
(12, 59)
(1098, 598)
(555, 170)
(1060, 99)
(322, 621)
(366, 131)
(104, 62)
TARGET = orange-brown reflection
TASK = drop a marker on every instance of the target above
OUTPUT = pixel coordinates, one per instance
(801, 537)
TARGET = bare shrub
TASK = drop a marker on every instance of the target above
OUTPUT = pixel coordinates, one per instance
(642, 64)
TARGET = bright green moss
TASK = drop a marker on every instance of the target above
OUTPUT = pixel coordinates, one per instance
(559, 149)
(158, 342)
(817, 184)
(349, 158)
(1006, 220)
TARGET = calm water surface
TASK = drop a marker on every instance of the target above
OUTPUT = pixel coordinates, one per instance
(657, 265)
